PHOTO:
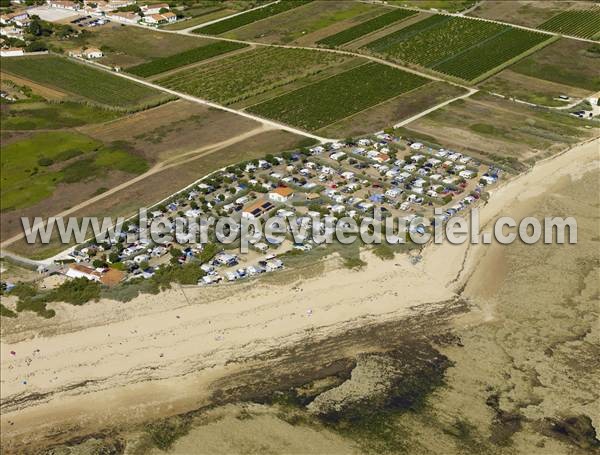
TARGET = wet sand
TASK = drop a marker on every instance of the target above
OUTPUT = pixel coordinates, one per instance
(109, 362)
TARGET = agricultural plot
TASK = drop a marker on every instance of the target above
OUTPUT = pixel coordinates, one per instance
(314, 106)
(252, 16)
(185, 58)
(479, 60)
(364, 28)
(32, 167)
(122, 46)
(35, 115)
(84, 81)
(432, 40)
(584, 24)
(241, 76)
(524, 12)
(566, 61)
(462, 48)
(306, 25)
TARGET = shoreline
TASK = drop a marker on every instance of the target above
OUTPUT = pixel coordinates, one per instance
(161, 353)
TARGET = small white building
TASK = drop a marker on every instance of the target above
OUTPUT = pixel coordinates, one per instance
(11, 52)
(149, 10)
(126, 17)
(83, 271)
(64, 4)
(92, 53)
(281, 194)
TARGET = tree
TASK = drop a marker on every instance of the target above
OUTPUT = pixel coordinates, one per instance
(36, 46)
(113, 257)
(97, 263)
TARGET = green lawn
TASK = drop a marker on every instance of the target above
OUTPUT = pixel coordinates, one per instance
(329, 100)
(84, 81)
(32, 167)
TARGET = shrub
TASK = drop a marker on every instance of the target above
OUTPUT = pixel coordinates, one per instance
(77, 291)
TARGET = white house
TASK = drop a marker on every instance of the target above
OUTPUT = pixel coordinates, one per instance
(11, 52)
(126, 17)
(64, 4)
(17, 18)
(149, 10)
(92, 52)
(281, 194)
(162, 18)
(83, 271)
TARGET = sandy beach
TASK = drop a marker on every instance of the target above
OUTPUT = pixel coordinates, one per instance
(107, 362)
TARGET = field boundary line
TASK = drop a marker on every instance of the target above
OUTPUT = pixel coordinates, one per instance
(197, 100)
(216, 58)
(304, 86)
(372, 32)
(404, 122)
(446, 13)
(474, 46)
(221, 19)
(372, 58)
(515, 59)
(375, 105)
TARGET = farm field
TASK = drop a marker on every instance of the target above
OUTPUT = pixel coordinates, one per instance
(304, 25)
(299, 25)
(529, 13)
(32, 167)
(158, 186)
(531, 89)
(458, 47)
(199, 19)
(480, 59)
(584, 23)
(566, 61)
(364, 40)
(514, 135)
(171, 129)
(247, 74)
(39, 114)
(392, 111)
(122, 47)
(327, 101)
(364, 28)
(250, 17)
(83, 81)
(171, 62)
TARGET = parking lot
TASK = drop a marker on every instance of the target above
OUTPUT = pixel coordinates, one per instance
(52, 14)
